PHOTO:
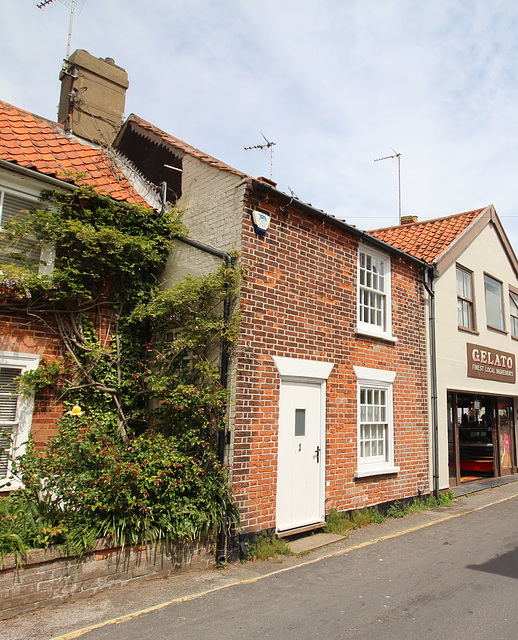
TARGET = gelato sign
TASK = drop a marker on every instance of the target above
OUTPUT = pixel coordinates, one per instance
(491, 364)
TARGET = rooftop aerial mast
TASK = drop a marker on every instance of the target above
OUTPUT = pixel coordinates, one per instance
(267, 145)
(45, 3)
(398, 156)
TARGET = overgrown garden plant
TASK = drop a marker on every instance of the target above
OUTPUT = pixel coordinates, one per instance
(135, 456)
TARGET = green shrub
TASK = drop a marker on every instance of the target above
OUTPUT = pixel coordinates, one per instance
(137, 461)
(90, 484)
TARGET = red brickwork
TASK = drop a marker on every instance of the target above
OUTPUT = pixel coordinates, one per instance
(299, 301)
(24, 333)
(38, 334)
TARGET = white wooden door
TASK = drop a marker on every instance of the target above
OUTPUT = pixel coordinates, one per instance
(300, 472)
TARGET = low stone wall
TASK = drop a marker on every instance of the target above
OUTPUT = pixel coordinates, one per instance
(48, 577)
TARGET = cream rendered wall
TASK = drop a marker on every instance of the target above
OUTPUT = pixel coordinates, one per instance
(484, 255)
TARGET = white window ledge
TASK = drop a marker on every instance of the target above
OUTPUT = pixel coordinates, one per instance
(364, 331)
(375, 471)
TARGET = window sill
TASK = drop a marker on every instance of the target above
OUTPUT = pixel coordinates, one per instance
(473, 332)
(365, 332)
(376, 471)
(497, 329)
(10, 484)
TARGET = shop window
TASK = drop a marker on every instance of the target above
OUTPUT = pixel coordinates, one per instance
(465, 298)
(15, 412)
(494, 303)
(375, 422)
(374, 314)
(513, 308)
(13, 207)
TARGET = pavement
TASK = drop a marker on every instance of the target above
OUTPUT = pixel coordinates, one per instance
(73, 618)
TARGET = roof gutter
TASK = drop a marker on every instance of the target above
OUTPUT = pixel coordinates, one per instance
(263, 187)
(37, 175)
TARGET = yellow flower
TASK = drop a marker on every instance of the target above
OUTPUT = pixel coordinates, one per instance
(75, 411)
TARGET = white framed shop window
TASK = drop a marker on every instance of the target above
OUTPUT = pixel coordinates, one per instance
(15, 412)
(375, 422)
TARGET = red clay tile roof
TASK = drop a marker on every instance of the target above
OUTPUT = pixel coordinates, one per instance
(35, 143)
(428, 239)
(183, 146)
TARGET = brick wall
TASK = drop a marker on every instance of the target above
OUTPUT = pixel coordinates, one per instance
(299, 301)
(25, 333)
(50, 577)
(38, 334)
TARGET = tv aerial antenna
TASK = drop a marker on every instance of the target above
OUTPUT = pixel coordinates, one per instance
(398, 156)
(267, 145)
(73, 4)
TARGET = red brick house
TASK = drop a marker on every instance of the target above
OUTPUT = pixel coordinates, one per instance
(331, 407)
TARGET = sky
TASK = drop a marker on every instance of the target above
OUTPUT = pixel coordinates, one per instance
(334, 83)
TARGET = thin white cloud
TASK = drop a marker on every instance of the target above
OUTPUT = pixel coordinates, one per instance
(335, 84)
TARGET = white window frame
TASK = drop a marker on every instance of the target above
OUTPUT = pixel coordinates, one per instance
(513, 312)
(465, 301)
(47, 254)
(25, 407)
(488, 301)
(376, 379)
(369, 328)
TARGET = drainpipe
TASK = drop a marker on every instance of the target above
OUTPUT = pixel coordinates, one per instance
(222, 435)
(429, 283)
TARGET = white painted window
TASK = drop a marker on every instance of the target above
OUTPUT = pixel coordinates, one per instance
(375, 422)
(374, 304)
(494, 303)
(15, 412)
(12, 207)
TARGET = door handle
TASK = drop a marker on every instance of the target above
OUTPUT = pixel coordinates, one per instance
(318, 454)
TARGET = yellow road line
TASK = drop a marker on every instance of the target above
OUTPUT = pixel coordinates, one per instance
(80, 632)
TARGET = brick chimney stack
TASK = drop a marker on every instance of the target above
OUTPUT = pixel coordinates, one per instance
(93, 95)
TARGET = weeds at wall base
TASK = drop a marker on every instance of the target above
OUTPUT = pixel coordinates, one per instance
(266, 546)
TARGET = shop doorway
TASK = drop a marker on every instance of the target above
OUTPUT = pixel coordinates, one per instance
(481, 437)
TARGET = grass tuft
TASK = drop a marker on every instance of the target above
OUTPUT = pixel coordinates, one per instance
(342, 523)
(266, 546)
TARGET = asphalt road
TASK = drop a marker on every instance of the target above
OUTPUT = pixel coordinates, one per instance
(440, 574)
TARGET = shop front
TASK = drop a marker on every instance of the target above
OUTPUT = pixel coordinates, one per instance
(481, 427)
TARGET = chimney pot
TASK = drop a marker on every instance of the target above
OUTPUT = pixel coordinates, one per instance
(267, 181)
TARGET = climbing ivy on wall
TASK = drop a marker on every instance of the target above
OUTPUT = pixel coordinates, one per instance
(135, 456)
